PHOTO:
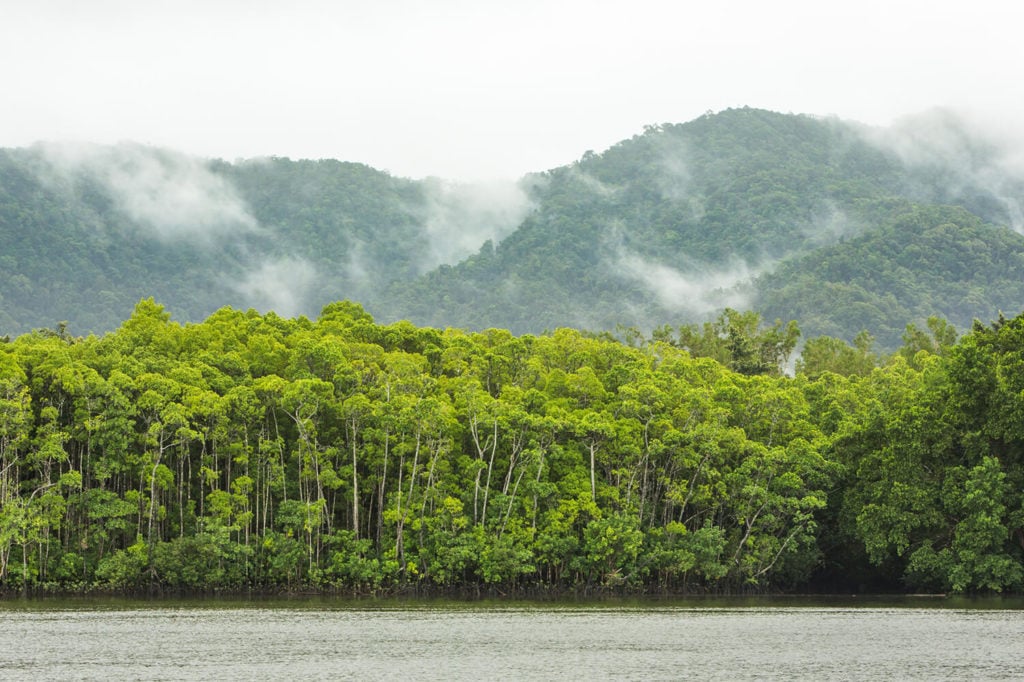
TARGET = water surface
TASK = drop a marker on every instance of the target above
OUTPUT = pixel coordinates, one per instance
(377, 640)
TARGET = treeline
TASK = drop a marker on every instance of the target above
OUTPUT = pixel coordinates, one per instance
(252, 451)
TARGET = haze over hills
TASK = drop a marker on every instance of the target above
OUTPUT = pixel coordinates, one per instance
(838, 226)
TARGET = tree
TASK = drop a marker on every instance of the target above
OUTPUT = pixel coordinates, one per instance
(827, 354)
(937, 340)
(739, 341)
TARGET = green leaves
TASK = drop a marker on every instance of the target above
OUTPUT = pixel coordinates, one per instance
(737, 340)
(561, 460)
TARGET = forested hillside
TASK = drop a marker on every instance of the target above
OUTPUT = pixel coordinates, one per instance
(917, 261)
(87, 231)
(840, 227)
(800, 218)
(255, 451)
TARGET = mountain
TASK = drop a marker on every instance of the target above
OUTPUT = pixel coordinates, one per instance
(750, 209)
(87, 231)
(839, 226)
(921, 261)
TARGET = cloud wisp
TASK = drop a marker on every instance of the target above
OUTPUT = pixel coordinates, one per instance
(459, 218)
(168, 195)
(698, 291)
(969, 155)
(278, 284)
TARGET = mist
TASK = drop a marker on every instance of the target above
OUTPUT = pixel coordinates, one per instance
(282, 285)
(165, 194)
(699, 291)
(967, 155)
(671, 154)
(460, 217)
(829, 225)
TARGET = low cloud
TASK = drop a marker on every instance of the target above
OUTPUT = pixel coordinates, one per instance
(355, 269)
(939, 137)
(675, 180)
(829, 225)
(281, 285)
(168, 195)
(460, 217)
(966, 154)
(699, 291)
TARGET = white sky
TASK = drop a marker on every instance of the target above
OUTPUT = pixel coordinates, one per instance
(472, 89)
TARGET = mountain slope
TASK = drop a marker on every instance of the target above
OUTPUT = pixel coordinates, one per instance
(686, 219)
(87, 231)
(835, 225)
(925, 260)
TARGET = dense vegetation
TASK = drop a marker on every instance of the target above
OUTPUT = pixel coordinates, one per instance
(86, 236)
(254, 451)
(842, 228)
(921, 260)
(801, 218)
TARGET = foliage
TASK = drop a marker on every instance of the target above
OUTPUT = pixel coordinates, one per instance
(256, 451)
(800, 218)
(252, 451)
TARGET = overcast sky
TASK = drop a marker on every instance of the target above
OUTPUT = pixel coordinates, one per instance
(475, 89)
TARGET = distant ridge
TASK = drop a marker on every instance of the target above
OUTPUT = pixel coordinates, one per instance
(836, 225)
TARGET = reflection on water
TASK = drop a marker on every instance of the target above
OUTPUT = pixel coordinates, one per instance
(330, 639)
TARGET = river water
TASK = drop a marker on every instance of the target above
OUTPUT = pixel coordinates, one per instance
(382, 640)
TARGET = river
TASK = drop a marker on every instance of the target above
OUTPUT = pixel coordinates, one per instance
(708, 639)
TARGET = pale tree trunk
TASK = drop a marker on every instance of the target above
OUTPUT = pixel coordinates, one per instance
(355, 481)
